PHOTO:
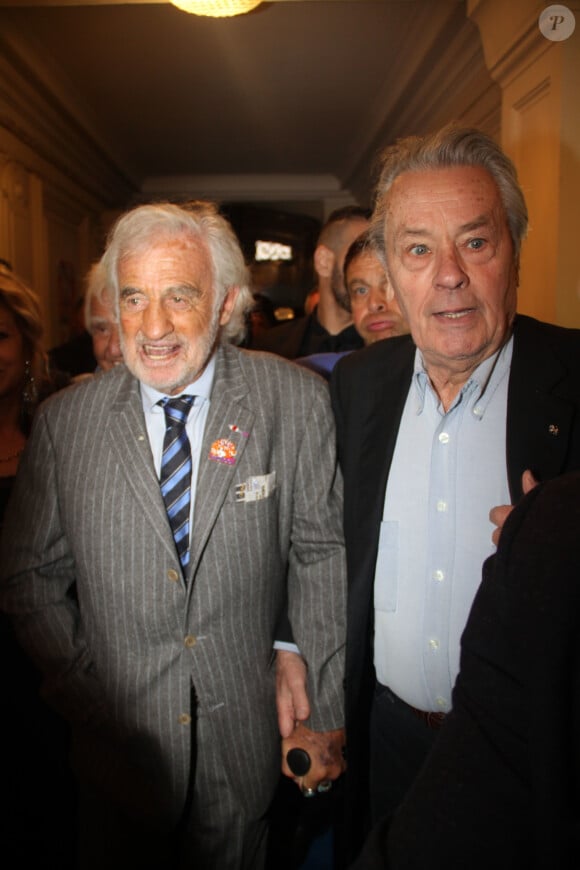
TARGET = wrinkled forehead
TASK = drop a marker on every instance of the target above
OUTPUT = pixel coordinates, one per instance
(170, 255)
(459, 193)
(160, 239)
(365, 261)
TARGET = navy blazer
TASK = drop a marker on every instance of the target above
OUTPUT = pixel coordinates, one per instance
(369, 390)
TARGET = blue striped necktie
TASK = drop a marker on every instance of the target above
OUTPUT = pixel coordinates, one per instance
(176, 472)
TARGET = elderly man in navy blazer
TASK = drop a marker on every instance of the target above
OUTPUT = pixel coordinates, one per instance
(165, 514)
(436, 429)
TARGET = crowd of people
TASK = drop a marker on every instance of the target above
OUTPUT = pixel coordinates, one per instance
(234, 554)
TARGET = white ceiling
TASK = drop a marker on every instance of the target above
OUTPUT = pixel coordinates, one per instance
(294, 95)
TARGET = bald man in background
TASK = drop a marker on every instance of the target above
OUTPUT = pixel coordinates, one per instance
(328, 328)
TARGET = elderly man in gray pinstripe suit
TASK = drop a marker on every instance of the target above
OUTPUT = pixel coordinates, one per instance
(164, 667)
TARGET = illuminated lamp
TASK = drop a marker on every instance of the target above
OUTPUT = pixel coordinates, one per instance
(216, 8)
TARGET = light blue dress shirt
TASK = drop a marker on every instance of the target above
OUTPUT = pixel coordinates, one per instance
(195, 426)
(448, 471)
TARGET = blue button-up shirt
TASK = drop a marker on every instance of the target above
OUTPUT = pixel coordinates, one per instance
(448, 471)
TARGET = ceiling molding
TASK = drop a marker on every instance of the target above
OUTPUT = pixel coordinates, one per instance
(249, 188)
(511, 37)
(449, 82)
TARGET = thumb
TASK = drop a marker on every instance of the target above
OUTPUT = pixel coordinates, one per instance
(528, 481)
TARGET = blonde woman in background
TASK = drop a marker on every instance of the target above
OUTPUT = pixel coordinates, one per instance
(36, 789)
(23, 372)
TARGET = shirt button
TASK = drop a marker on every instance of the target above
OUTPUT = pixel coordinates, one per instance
(441, 703)
(172, 575)
(190, 641)
(444, 438)
(477, 411)
(184, 719)
(434, 643)
(441, 506)
(439, 575)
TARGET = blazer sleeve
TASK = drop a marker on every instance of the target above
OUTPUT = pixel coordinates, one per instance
(317, 566)
(37, 583)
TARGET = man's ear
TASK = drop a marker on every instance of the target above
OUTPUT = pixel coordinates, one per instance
(228, 305)
(323, 261)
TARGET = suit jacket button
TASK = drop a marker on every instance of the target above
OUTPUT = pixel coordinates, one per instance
(172, 575)
(190, 641)
(184, 719)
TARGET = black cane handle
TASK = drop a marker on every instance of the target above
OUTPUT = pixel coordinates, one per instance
(298, 761)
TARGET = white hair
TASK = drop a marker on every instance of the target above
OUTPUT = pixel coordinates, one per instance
(201, 220)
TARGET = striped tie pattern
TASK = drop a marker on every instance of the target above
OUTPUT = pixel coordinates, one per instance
(176, 472)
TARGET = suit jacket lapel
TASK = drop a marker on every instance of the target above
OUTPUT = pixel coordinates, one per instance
(229, 420)
(539, 422)
(128, 440)
(378, 410)
(384, 400)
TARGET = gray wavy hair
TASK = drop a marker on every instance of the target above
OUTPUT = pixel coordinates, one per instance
(199, 219)
(453, 145)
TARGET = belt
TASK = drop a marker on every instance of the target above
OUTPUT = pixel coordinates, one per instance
(432, 720)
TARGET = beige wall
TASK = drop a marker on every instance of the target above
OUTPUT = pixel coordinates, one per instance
(540, 130)
(530, 124)
(568, 256)
(55, 183)
(47, 236)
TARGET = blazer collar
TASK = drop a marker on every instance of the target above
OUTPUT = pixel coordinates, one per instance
(378, 409)
(129, 443)
(230, 423)
(539, 418)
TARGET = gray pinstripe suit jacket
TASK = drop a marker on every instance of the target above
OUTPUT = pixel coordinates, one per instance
(92, 580)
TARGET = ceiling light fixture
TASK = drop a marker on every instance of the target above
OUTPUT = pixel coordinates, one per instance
(216, 8)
